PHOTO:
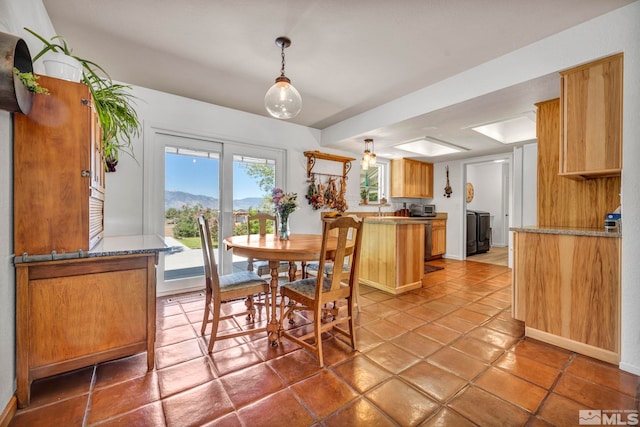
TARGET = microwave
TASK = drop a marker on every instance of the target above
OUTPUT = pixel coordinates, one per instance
(423, 210)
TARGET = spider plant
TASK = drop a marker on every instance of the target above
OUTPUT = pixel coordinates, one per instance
(113, 103)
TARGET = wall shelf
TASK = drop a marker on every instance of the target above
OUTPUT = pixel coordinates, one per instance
(312, 156)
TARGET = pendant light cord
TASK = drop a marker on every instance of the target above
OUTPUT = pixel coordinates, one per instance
(282, 54)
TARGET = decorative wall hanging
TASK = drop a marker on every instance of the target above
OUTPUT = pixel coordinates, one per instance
(327, 195)
(470, 192)
(447, 189)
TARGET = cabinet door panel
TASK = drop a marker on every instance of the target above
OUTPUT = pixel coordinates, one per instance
(67, 321)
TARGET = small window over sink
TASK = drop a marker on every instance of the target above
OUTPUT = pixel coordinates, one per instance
(372, 182)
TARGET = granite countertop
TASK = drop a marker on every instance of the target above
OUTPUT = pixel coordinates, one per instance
(573, 231)
(129, 245)
(108, 246)
(405, 219)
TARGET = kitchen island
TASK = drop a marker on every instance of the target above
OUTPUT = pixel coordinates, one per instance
(566, 288)
(393, 252)
(78, 309)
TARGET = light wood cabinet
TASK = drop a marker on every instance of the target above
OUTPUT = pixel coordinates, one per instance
(58, 172)
(566, 202)
(591, 119)
(392, 255)
(438, 238)
(567, 291)
(411, 178)
(75, 313)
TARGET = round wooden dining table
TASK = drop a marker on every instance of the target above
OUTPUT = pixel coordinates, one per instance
(299, 247)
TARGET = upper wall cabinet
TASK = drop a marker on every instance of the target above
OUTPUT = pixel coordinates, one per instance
(411, 178)
(58, 172)
(591, 119)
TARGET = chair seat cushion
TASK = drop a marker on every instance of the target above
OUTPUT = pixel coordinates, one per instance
(328, 267)
(306, 287)
(240, 280)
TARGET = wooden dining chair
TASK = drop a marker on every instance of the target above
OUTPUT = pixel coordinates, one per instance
(226, 288)
(315, 294)
(262, 266)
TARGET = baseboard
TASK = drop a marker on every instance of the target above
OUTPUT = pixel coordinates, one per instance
(9, 411)
(628, 367)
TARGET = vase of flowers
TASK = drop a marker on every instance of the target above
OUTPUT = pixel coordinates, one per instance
(284, 205)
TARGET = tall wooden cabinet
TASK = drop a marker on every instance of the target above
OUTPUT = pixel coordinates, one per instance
(58, 171)
(591, 120)
(411, 178)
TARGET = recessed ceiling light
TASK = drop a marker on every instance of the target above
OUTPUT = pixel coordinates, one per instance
(430, 147)
(517, 129)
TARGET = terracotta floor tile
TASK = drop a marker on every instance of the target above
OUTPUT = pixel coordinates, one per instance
(417, 344)
(404, 304)
(281, 409)
(180, 377)
(69, 412)
(493, 337)
(174, 335)
(591, 395)
(385, 329)
(436, 382)
(366, 340)
(229, 420)
(363, 318)
(471, 316)
(337, 350)
(437, 333)
(479, 349)
(166, 309)
(512, 389)
(150, 415)
(447, 417)
(483, 309)
(400, 401)
(405, 321)
(442, 307)
(251, 384)
(495, 302)
(454, 300)
(458, 363)
(361, 373)
(456, 323)
(266, 351)
(543, 353)
(173, 321)
(560, 411)
(425, 313)
(485, 409)
(604, 374)
(60, 387)
(529, 369)
(323, 393)
(513, 327)
(198, 405)
(234, 359)
(392, 357)
(359, 413)
(177, 353)
(123, 397)
(120, 370)
(295, 366)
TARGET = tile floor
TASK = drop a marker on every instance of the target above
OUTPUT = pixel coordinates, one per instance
(448, 354)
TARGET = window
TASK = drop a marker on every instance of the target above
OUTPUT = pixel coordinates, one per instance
(372, 183)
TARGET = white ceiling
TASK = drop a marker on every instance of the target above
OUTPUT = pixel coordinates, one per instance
(346, 57)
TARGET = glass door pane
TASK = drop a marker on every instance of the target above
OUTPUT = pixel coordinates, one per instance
(253, 180)
(191, 189)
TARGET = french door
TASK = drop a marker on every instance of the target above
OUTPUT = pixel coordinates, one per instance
(187, 176)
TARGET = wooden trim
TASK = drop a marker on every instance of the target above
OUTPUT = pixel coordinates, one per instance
(396, 291)
(9, 411)
(586, 349)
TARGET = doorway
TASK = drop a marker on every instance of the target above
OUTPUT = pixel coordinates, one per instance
(490, 197)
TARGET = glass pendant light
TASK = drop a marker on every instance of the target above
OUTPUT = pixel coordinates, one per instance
(283, 101)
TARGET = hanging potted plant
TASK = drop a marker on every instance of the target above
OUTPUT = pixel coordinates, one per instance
(113, 102)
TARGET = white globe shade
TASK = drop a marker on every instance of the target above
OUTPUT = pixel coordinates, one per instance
(283, 101)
